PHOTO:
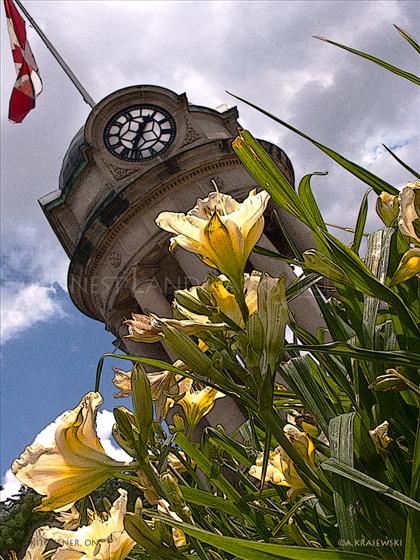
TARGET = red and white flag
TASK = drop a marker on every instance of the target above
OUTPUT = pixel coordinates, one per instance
(28, 83)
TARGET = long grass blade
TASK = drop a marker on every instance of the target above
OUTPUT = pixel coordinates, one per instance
(300, 285)
(408, 38)
(302, 380)
(401, 162)
(250, 550)
(340, 435)
(340, 468)
(412, 537)
(360, 223)
(307, 197)
(403, 73)
(364, 175)
(398, 357)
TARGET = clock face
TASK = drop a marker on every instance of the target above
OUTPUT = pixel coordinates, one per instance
(139, 132)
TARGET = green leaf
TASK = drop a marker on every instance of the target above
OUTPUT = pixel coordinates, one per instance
(250, 550)
(99, 369)
(273, 313)
(301, 284)
(140, 531)
(408, 38)
(273, 254)
(302, 380)
(361, 173)
(398, 357)
(160, 365)
(307, 197)
(337, 327)
(207, 467)
(340, 435)
(266, 457)
(407, 75)
(228, 444)
(367, 283)
(409, 169)
(203, 498)
(360, 223)
(412, 537)
(269, 176)
(340, 468)
(377, 257)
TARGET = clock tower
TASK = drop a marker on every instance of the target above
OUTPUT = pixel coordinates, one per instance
(144, 150)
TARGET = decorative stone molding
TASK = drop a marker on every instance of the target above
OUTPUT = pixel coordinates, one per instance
(191, 135)
(119, 173)
(115, 259)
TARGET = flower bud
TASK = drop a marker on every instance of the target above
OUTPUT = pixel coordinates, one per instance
(387, 208)
(142, 401)
(408, 267)
(314, 260)
(388, 382)
(179, 424)
(170, 484)
(273, 314)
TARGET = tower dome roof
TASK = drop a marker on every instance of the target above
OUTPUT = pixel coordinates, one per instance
(73, 158)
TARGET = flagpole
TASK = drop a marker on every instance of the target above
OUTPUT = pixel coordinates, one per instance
(86, 97)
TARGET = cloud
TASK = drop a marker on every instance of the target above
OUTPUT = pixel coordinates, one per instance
(105, 421)
(10, 485)
(26, 305)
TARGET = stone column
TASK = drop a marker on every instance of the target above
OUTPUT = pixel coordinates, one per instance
(195, 270)
(150, 297)
(304, 307)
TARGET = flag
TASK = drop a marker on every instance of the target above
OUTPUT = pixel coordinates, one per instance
(28, 83)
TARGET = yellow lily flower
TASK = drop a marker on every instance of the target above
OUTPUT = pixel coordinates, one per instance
(408, 267)
(75, 465)
(36, 548)
(223, 298)
(281, 469)
(122, 381)
(387, 208)
(70, 519)
(220, 230)
(163, 384)
(301, 442)
(197, 404)
(409, 216)
(177, 534)
(175, 462)
(275, 469)
(101, 540)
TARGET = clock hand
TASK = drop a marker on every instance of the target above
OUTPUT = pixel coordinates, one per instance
(139, 133)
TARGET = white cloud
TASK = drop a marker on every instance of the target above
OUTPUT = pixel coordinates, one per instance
(104, 423)
(34, 256)
(10, 485)
(104, 430)
(25, 305)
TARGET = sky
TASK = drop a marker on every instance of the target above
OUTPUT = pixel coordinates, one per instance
(260, 50)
